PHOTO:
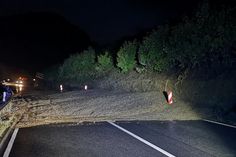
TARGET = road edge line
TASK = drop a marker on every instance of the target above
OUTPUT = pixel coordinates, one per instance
(142, 140)
(10, 144)
(5, 140)
(219, 123)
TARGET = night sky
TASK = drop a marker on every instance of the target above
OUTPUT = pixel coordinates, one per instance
(95, 21)
(105, 20)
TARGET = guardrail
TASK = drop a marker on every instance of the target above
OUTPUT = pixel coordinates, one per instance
(6, 97)
(5, 107)
(9, 124)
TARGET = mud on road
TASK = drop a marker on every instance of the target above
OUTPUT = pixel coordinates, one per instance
(99, 105)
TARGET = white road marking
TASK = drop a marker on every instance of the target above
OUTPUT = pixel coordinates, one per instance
(10, 144)
(210, 121)
(142, 140)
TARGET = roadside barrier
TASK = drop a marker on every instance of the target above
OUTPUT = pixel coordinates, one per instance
(4, 96)
(61, 88)
(170, 97)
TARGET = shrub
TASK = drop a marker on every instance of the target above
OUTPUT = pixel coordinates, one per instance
(79, 67)
(203, 41)
(126, 56)
(104, 62)
(152, 52)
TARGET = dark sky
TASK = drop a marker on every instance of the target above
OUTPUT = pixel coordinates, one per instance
(40, 40)
(105, 20)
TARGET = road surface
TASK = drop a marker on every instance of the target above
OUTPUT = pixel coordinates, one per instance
(126, 139)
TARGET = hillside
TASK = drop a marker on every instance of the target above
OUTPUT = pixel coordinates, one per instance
(46, 34)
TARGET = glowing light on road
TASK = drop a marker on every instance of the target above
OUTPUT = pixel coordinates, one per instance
(85, 87)
(20, 88)
(20, 85)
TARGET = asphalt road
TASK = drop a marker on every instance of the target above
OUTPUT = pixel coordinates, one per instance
(127, 139)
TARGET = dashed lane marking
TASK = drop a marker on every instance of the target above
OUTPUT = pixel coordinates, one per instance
(142, 140)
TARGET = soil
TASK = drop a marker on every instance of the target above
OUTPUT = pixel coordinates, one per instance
(101, 105)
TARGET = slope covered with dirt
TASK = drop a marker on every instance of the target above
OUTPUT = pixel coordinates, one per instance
(213, 90)
(132, 97)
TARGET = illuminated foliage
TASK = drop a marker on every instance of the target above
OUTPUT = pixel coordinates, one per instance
(126, 56)
(105, 62)
(79, 67)
(206, 40)
(152, 52)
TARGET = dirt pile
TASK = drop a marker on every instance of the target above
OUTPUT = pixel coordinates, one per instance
(103, 105)
(133, 97)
